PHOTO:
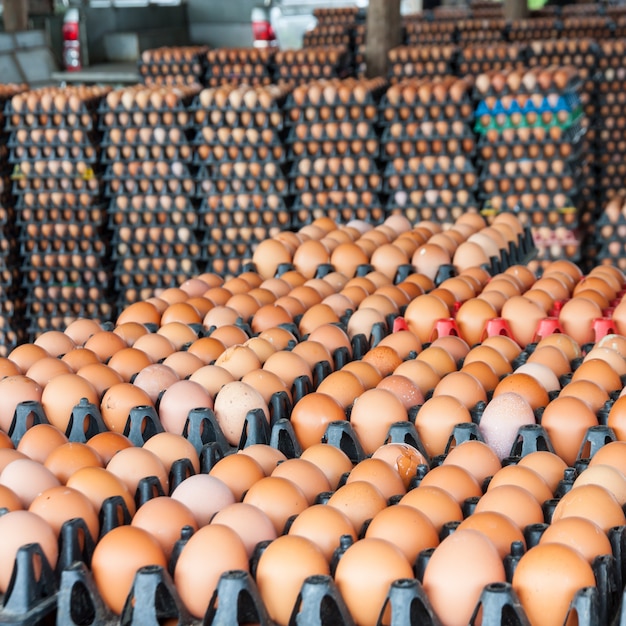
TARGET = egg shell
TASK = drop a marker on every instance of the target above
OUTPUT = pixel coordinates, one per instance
(515, 502)
(546, 579)
(359, 501)
(40, 440)
(132, 464)
(364, 574)
(281, 571)
(497, 527)
(343, 386)
(525, 477)
(331, 460)
(476, 457)
(457, 571)
(19, 528)
(57, 505)
(178, 400)
(106, 444)
(249, 522)
(232, 404)
(170, 448)
(16, 389)
(27, 479)
(70, 457)
(204, 495)
(305, 475)
(117, 403)
(403, 458)
(210, 551)
(311, 415)
(592, 502)
(578, 533)
(266, 456)
(372, 414)
(164, 518)
(379, 474)
(116, 559)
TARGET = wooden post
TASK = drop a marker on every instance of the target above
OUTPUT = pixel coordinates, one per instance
(15, 15)
(384, 32)
(515, 9)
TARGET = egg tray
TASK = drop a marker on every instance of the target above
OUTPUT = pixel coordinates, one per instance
(73, 306)
(423, 69)
(305, 74)
(223, 221)
(236, 154)
(201, 110)
(236, 249)
(235, 185)
(113, 154)
(437, 112)
(121, 118)
(135, 249)
(260, 120)
(35, 153)
(53, 137)
(317, 39)
(129, 185)
(184, 68)
(145, 136)
(54, 170)
(503, 122)
(421, 142)
(232, 172)
(93, 187)
(28, 216)
(151, 219)
(168, 234)
(356, 182)
(487, 151)
(528, 30)
(62, 277)
(340, 213)
(69, 242)
(518, 186)
(355, 148)
(331, 114)
(253, 202)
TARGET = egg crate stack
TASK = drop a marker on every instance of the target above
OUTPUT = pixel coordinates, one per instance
(328, 35)
(611, 233)
(251, 66)
(424, 33)
(239, 157)
(11, 299)
(486, 8)
(427, 148)
(416, 62)
(528, 30)
(609, 140)
(480, 31)
(588, 27)
(584, 55)
(149, 184)
(311, 64)
(54, 153)
(478, 58)
(173, 65)
(523, 108)
(333, 148)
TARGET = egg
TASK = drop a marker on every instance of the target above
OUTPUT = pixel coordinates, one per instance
(359, 501)
(436, 419)
(364, 574)
(16, 389)
(116, 559)
(204, 496)
(546, 579)
(178, 400)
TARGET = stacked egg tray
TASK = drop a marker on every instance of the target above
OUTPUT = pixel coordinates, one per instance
(584, 55)
(54, 153)
(544, 193)
(424, 60)
(311, 64)
(252, 66)
(71, 592)
(481, 31)
(333, 150)
(148, 185)
(11, 299)
(173, 65)
(609, 128)
(241, 186)
(611, 233)
(427, 148)
(533, 29)
(425, 33)
(474, 59)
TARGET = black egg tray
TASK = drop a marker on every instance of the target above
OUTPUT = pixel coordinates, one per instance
(413, 144)
(146, 281)
(234, 119)
(162, 235)
(197, 108)
(62, 277)
(243, 219)
(528, 30)
(229, 248)
(235, 185)
(355, 148)
(122, 250)
(315, 40)
(305, 74)
(530, 204)
(129, 185)
(123, 118)
(76, 305)
(89, 154)
(145, 136)
(92, 243)
(310, 132)
(28, 216)
(237, 153)
(347, 182)
(113, 154)
(54, 169)
(70, 121)
(93, 187)
(152, 219)
(401, 71)
(449, 112)
(226, 267)
(418, 198)
(51, 137)
(330, 114)
(252, 202)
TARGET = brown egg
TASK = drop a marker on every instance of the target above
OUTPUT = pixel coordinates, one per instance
(513, 501)
(331, 460)
(239, 472)
(439, 359)
(463, 386)
(25, 355)
(266, 456)
(421, 373)
(589, 392)
(380, 474)
(27, 479)
(359, 501)
(305, 475)
(498, 528)
(523, 316)
(372, 414)
(55, 343)
(570, 348)
(13, 390)
(105, 344)
(117, 403)
(423, 313)
(525, 386)
(606, 476)
(592, 502)
(551, 357)
(546, 580)
(475, 457)
(40, 440)
(599, 372)
(81, 329)
(436, 419)
(580, 534)
(69, 457)
(130, 548)
(132, 464)
(472, 317)
(576, 318)
(169, 448)
(312, 414)
(524, 477)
